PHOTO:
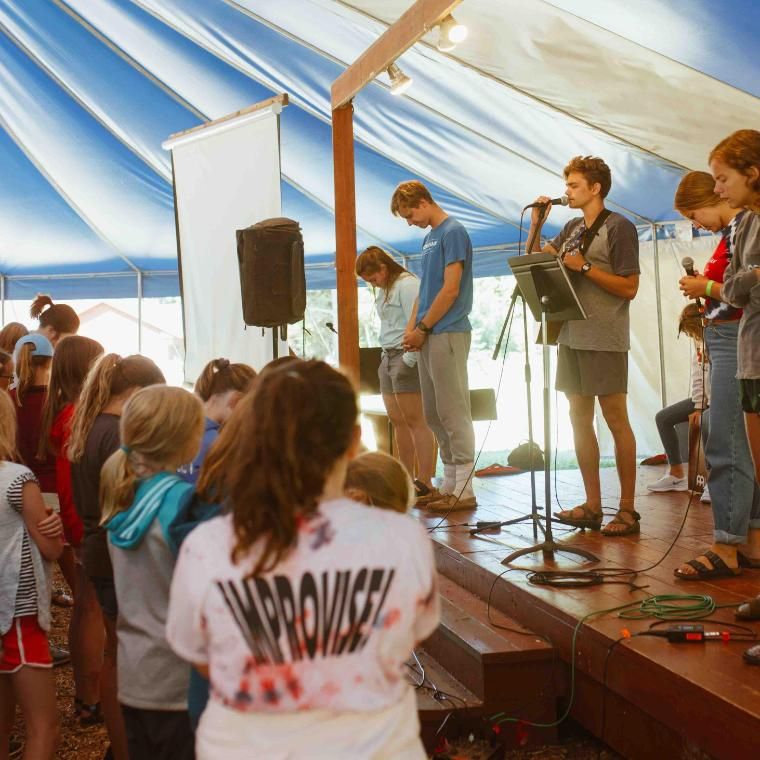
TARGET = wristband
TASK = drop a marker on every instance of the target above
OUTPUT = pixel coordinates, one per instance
(708, 288)
(422, 327)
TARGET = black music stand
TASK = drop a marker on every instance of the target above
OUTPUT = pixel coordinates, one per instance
(550, 296)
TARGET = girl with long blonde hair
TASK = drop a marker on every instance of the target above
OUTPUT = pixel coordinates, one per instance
(111, 382)
(161, 428)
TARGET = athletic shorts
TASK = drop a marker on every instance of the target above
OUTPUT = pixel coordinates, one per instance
(749, 392)
(395, 376)
(25, 643)
(591, 373)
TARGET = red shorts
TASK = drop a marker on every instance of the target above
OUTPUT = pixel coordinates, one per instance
(25, 643)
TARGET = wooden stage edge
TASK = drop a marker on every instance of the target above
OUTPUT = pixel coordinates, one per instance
(645, 697)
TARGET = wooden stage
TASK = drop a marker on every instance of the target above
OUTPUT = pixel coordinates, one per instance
(659, 700)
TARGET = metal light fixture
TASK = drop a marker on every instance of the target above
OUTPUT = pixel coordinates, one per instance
(450, 34)
(400, 82)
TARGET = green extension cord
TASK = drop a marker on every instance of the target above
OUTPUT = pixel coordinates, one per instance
(662, 607)
(672, 607)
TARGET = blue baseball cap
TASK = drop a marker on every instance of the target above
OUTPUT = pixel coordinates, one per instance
(42, 346)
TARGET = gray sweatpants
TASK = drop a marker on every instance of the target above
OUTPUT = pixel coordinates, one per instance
(446, 395)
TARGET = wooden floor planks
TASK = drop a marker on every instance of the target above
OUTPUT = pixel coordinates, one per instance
(703, 696)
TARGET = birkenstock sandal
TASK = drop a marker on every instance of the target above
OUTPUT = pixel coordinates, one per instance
(630, 528)
(591, 520)
(719, 569)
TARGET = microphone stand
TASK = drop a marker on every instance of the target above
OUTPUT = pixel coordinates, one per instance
(533, 515)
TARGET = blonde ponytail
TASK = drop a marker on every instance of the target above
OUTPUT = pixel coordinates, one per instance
(24, 371)
(96, 393)
(117, 485)
(161, 429)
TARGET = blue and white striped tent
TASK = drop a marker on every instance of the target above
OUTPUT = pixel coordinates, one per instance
(89, 89)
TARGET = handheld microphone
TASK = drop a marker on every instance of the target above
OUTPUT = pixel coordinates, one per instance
(331, 327)
(563, 201)
(687, 262)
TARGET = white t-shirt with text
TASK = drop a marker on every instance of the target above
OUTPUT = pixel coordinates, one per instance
(328, 629)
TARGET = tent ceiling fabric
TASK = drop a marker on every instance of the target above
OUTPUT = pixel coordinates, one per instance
(90, 88)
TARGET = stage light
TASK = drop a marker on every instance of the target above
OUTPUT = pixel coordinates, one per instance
(400, 82)
(450, 34)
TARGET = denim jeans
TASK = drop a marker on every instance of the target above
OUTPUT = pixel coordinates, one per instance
(666, 420)
(734, 492)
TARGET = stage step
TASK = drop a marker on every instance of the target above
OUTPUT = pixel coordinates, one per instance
(511, 671)
(441, 700)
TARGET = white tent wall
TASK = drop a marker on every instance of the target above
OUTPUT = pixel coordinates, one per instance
(227, 177)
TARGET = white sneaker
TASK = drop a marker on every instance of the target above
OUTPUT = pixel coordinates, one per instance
(705, 497)
(669, 483)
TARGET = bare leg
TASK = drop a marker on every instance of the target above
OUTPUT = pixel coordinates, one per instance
(615, 411)
(67, 564)
(404, 440)
(35, 691)
(7, 714)
(410, 405)
(86, 640)
(586, 452)
(109, 698)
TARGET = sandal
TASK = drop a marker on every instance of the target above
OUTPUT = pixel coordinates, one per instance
(749, 610)
(591, 519)
(719, 569)
(61, 599)
(630, 528)
(89, 715)
(426, 496)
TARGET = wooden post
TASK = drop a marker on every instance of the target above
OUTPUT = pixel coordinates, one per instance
(398, 38)
(345, 238)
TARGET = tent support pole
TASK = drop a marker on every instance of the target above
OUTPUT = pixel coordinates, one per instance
(139, 312)
(345, 238)
(658, 296)
(2, 298)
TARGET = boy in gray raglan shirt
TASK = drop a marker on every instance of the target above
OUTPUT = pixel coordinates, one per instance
(593, 353)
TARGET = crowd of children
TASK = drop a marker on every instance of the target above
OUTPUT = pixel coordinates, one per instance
(229, 567)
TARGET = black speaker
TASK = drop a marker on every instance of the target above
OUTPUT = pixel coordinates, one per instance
(272, 277)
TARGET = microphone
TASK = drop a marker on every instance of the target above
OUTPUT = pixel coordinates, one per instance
(687, 262)
(331, 327)
(563, 201)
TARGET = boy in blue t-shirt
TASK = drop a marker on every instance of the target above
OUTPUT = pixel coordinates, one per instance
(440, 330)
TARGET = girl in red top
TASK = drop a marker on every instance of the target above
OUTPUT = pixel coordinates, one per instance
(734, 492)
(73, 358)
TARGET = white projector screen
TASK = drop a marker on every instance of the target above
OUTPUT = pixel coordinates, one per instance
(226, 177)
